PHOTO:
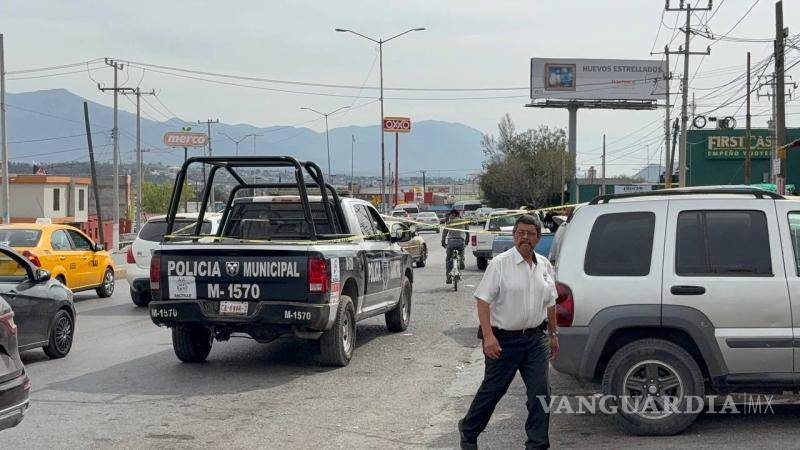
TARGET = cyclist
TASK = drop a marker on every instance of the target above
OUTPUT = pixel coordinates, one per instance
(454, 239)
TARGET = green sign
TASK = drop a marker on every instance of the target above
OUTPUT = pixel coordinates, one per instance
(732, 147)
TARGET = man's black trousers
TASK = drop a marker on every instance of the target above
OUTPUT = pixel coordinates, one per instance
(530, 356)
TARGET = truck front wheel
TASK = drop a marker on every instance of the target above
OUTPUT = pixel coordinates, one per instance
(337, 344)
(191, 344)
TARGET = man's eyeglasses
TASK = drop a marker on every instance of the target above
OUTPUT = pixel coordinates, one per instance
(524, 234)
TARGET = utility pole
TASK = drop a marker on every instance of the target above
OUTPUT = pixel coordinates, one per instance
(95, 187)
(139, 163)
(747, 156)
(115, 138)
(424, 187)
(352, 152)
(563, 175)
(780, 99)
(668, 169)
(685, 94)
(4, 137)
(603, 184)
(208, 123)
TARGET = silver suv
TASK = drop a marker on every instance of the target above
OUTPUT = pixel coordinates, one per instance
(680, 293)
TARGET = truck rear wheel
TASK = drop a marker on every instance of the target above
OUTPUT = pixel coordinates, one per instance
(397, 319)
(337, 344)
(191, 344)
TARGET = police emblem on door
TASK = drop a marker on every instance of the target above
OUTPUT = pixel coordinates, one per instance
(232, 268)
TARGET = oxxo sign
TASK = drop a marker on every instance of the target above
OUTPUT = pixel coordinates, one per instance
(397, 124)
(185, 139)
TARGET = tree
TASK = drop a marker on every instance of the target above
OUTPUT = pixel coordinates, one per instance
(156, 197)
(524, 168)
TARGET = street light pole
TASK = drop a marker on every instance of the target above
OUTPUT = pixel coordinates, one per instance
(380, 43)
(327, 138)
(238, 141)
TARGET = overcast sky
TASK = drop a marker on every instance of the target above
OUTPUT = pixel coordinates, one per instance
(467, 44)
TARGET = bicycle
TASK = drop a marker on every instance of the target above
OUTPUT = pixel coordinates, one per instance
(455, 272)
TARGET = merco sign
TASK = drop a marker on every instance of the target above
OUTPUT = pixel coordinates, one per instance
(185, 139)
(397, 124)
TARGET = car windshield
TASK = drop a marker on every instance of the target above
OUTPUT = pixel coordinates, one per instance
(154, 230)
(505, 220)
(20, 237)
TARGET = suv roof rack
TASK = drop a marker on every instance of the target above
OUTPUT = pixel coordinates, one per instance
(743, 190)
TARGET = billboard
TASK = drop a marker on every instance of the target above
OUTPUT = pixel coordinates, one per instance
(597, 79)
(397, 124)
(185, 139)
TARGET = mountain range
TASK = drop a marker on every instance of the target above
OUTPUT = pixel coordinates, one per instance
(48, 127)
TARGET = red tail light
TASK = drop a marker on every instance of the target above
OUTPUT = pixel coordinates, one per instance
(32, 257)
(317, 275)
(129, 256)
(474, 240)
(7, 320)
(155, 273)
(565, 305)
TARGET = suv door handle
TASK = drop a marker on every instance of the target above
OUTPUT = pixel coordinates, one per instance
(687, 290)
(11, 294)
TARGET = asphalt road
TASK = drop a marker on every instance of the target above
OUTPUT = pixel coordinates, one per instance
(122, 386)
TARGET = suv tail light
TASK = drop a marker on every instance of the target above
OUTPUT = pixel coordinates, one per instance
(129, 256)
(474, 240)
(7, 320)
(155, 273)
(317, 275)
(565, 305)
(32, 257)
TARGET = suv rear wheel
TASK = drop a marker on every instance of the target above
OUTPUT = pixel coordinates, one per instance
(482, 263)
(651, 381)
(397, 319)
(140, 298)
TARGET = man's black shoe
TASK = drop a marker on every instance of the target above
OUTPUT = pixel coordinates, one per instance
(466, 444)
(449, 280)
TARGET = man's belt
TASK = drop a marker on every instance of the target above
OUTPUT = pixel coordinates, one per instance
(499, 332)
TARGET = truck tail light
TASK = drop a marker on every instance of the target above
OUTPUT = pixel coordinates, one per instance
(32, 257)
(7, 320)
(317, 275)
(155, 273)
(474, 240)
(129, 256)
(565, 305)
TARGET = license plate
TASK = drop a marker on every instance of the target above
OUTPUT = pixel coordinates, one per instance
(182, 288)
(239, 308)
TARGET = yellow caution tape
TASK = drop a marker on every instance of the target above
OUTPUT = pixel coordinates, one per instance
(450, 226)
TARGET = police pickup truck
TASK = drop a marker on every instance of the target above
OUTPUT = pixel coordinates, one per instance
(280, 263)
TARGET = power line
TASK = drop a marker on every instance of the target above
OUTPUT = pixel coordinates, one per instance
(49, 68)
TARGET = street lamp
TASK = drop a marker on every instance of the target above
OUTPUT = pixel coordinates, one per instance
(237, 142)
(380, 43)
(327, 139)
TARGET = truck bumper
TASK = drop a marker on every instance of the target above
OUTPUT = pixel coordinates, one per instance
(482, 253)
(572, 347)
(281, 315)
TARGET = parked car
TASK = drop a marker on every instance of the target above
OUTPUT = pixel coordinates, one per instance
(14, 383)
(504, 242)
(148, 240)
(415, 247)
(400, 214)
(64, 251)
(499, 222)
(467, 208)
(429, 221)
(43, 308)
(678, 294)
(411, 208)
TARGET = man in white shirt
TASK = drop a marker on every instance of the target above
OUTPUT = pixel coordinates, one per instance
(517, 314)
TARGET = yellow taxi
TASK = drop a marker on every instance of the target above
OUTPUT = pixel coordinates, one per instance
(68, 254)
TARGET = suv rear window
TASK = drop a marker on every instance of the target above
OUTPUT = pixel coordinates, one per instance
(722, 243)
(620, 244)
(154, 230)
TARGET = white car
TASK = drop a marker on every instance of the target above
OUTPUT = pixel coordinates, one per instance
(482, 242)
(430, 221)
(148, 240)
